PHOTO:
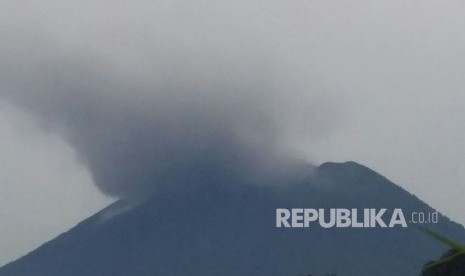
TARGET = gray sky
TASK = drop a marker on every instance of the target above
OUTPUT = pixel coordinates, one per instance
(378, 82)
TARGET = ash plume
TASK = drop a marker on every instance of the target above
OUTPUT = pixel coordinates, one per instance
(188, 110)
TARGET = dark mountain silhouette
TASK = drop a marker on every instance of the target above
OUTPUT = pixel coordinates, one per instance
(228, 228)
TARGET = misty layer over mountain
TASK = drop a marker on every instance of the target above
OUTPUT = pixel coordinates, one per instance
(199, 100)
(133, 137)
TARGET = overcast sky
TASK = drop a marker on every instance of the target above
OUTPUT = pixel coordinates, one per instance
(378, 82)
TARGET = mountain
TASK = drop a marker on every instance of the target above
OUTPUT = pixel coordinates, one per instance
(229, 228)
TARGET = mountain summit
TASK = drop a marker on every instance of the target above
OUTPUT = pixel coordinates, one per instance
(230, 229)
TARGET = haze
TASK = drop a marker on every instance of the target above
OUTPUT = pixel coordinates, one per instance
(380, 83)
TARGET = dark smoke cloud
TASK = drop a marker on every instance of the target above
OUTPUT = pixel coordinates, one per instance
(190, 114)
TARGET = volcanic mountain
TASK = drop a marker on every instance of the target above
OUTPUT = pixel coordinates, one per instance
(229, 228)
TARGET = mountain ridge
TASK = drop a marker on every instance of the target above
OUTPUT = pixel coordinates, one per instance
(229, 229)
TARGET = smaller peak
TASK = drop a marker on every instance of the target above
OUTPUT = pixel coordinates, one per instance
(348, 164)
(348, 167)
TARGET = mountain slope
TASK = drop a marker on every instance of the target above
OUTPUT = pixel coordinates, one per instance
(228, 228)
